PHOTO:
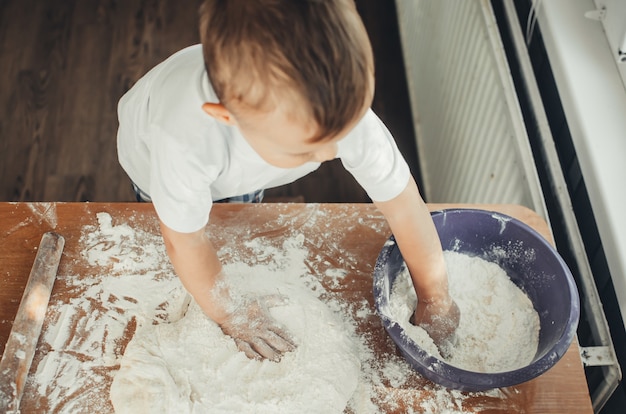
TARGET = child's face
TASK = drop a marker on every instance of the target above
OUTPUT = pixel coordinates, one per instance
(285, 142)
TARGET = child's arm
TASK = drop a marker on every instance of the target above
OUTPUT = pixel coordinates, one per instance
(415, 233)
(196, 263)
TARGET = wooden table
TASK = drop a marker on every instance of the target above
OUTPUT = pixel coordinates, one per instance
(347, 237)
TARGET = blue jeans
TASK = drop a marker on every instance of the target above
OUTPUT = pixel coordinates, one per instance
(254, 197)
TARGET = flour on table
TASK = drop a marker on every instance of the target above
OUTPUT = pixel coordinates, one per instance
(191, 366)
(499, 328)
(127, 286)
(128, 282)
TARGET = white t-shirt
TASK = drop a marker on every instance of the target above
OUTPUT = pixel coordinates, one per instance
(184, 159)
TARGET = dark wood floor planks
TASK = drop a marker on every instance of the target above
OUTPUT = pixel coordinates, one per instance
(65, 64)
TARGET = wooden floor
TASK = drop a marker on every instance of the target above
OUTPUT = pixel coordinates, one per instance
(66, 63)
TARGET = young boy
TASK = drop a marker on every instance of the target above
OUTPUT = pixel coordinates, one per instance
(276, 88)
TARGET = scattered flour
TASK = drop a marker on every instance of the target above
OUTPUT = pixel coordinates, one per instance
(130, 290)
(44, 212)
(128, 283)
(499, 328)
(191, 366)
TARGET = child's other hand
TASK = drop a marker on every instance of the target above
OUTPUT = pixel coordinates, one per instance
(255, 331)
(439, 318)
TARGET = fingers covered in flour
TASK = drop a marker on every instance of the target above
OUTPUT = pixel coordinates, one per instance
(440, 319)
(256, 332)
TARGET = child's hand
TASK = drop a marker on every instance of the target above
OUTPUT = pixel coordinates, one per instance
(254, 330)
(439, 318)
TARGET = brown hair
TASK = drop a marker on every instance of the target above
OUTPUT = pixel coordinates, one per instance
(259, 53)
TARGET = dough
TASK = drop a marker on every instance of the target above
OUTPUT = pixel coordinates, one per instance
(190, 366)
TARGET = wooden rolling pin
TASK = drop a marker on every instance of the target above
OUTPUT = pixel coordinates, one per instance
(20, 347)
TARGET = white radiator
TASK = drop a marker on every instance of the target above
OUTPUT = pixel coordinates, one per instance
(471, 140)
(472, 143)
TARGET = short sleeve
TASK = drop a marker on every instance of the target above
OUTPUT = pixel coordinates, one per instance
(371, 155)
(179, 185)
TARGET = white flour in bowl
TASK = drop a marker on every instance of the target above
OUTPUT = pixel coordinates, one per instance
(499, 328)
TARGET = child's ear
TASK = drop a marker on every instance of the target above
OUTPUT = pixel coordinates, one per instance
(219, 112)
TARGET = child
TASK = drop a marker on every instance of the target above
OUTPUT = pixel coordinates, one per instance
(276, 88)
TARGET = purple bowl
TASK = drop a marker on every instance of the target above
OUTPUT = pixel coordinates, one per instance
(531, 263)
